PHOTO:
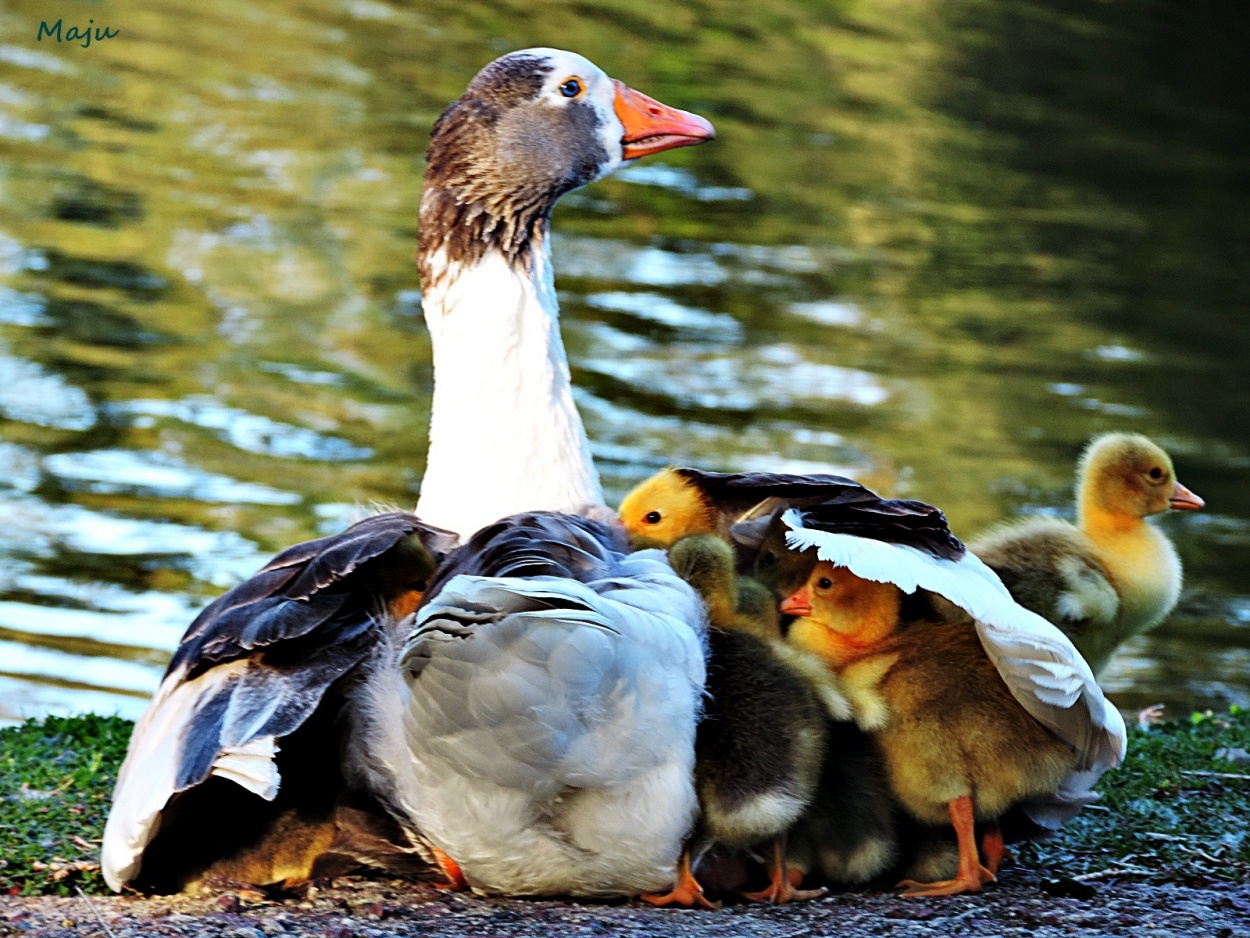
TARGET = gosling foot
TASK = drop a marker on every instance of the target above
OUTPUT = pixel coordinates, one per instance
(1150, 716)
(967, 881)
(781, 881)
(687, 892)
(779, 893)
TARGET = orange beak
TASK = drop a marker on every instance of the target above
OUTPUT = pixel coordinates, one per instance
(798, 603)
(1184, 499)
(651, 127)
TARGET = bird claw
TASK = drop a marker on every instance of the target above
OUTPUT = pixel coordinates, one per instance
(1150, 716)
(686, 891)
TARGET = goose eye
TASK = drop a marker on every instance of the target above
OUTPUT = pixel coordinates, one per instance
(652, 517)
(420, 586)
(1156, 473)
(571, 88)
(824, 583)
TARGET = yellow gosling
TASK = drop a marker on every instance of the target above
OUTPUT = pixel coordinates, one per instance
(957, 745)
(1113, 575)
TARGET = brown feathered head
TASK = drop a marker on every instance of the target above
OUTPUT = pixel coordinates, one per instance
(531, 126)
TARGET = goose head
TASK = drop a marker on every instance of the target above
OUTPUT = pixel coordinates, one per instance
(1127, 475)
(531, 126)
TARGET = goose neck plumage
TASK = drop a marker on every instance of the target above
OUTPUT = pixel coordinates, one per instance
(505, 433)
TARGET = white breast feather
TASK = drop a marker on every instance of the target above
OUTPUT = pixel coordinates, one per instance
(503, 424)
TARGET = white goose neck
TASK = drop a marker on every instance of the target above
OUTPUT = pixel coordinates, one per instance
(505, 434)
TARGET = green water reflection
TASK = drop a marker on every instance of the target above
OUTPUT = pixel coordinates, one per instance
(936, 245)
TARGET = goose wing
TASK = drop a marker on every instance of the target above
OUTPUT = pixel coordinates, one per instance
(1041, 667)
(762, 537)
(551, 685)
(901, 521)
(736, 494)
(253, 667)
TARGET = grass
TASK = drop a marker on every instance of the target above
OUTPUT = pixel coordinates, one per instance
(1159, 819)
(1173, 812)
(56, 783)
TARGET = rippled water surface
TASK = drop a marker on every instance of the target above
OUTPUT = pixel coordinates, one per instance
(937, 246)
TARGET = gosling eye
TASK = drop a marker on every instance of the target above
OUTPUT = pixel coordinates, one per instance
(420, 586)
(652, 517)
(769, 559)
(1156, 474)
(824, 583)
(571, 88)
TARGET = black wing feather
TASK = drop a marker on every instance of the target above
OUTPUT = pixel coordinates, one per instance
(201, 743)
(301, 590)
(828, 503)
(735, 493)
(896, 520)
(270, 698)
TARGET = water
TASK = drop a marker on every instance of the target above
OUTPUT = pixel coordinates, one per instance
(937, 246)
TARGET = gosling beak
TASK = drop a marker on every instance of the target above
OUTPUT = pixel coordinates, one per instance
(651, 127)
(798, 603)
(1184, 499)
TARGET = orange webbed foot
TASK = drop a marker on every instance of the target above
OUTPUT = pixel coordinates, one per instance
(681, 894)
(993, 849)
(1150, 716)
(451, 869)
(947, 887)
(779, 893)
(972, 875)
(687, 892)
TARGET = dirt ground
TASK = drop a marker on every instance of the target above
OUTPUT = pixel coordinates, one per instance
(1022, 903)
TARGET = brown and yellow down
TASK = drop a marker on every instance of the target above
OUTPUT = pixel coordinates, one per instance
(1112, 575)
(956, 743)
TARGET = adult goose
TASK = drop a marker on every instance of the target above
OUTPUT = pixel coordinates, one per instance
(552, 679)
(596, 708)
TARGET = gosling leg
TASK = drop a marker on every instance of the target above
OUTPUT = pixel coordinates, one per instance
(972, 875)
(781, 886)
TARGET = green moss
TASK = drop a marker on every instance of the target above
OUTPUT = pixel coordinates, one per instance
(1166, 814)
(56, 782)
(57, 776)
